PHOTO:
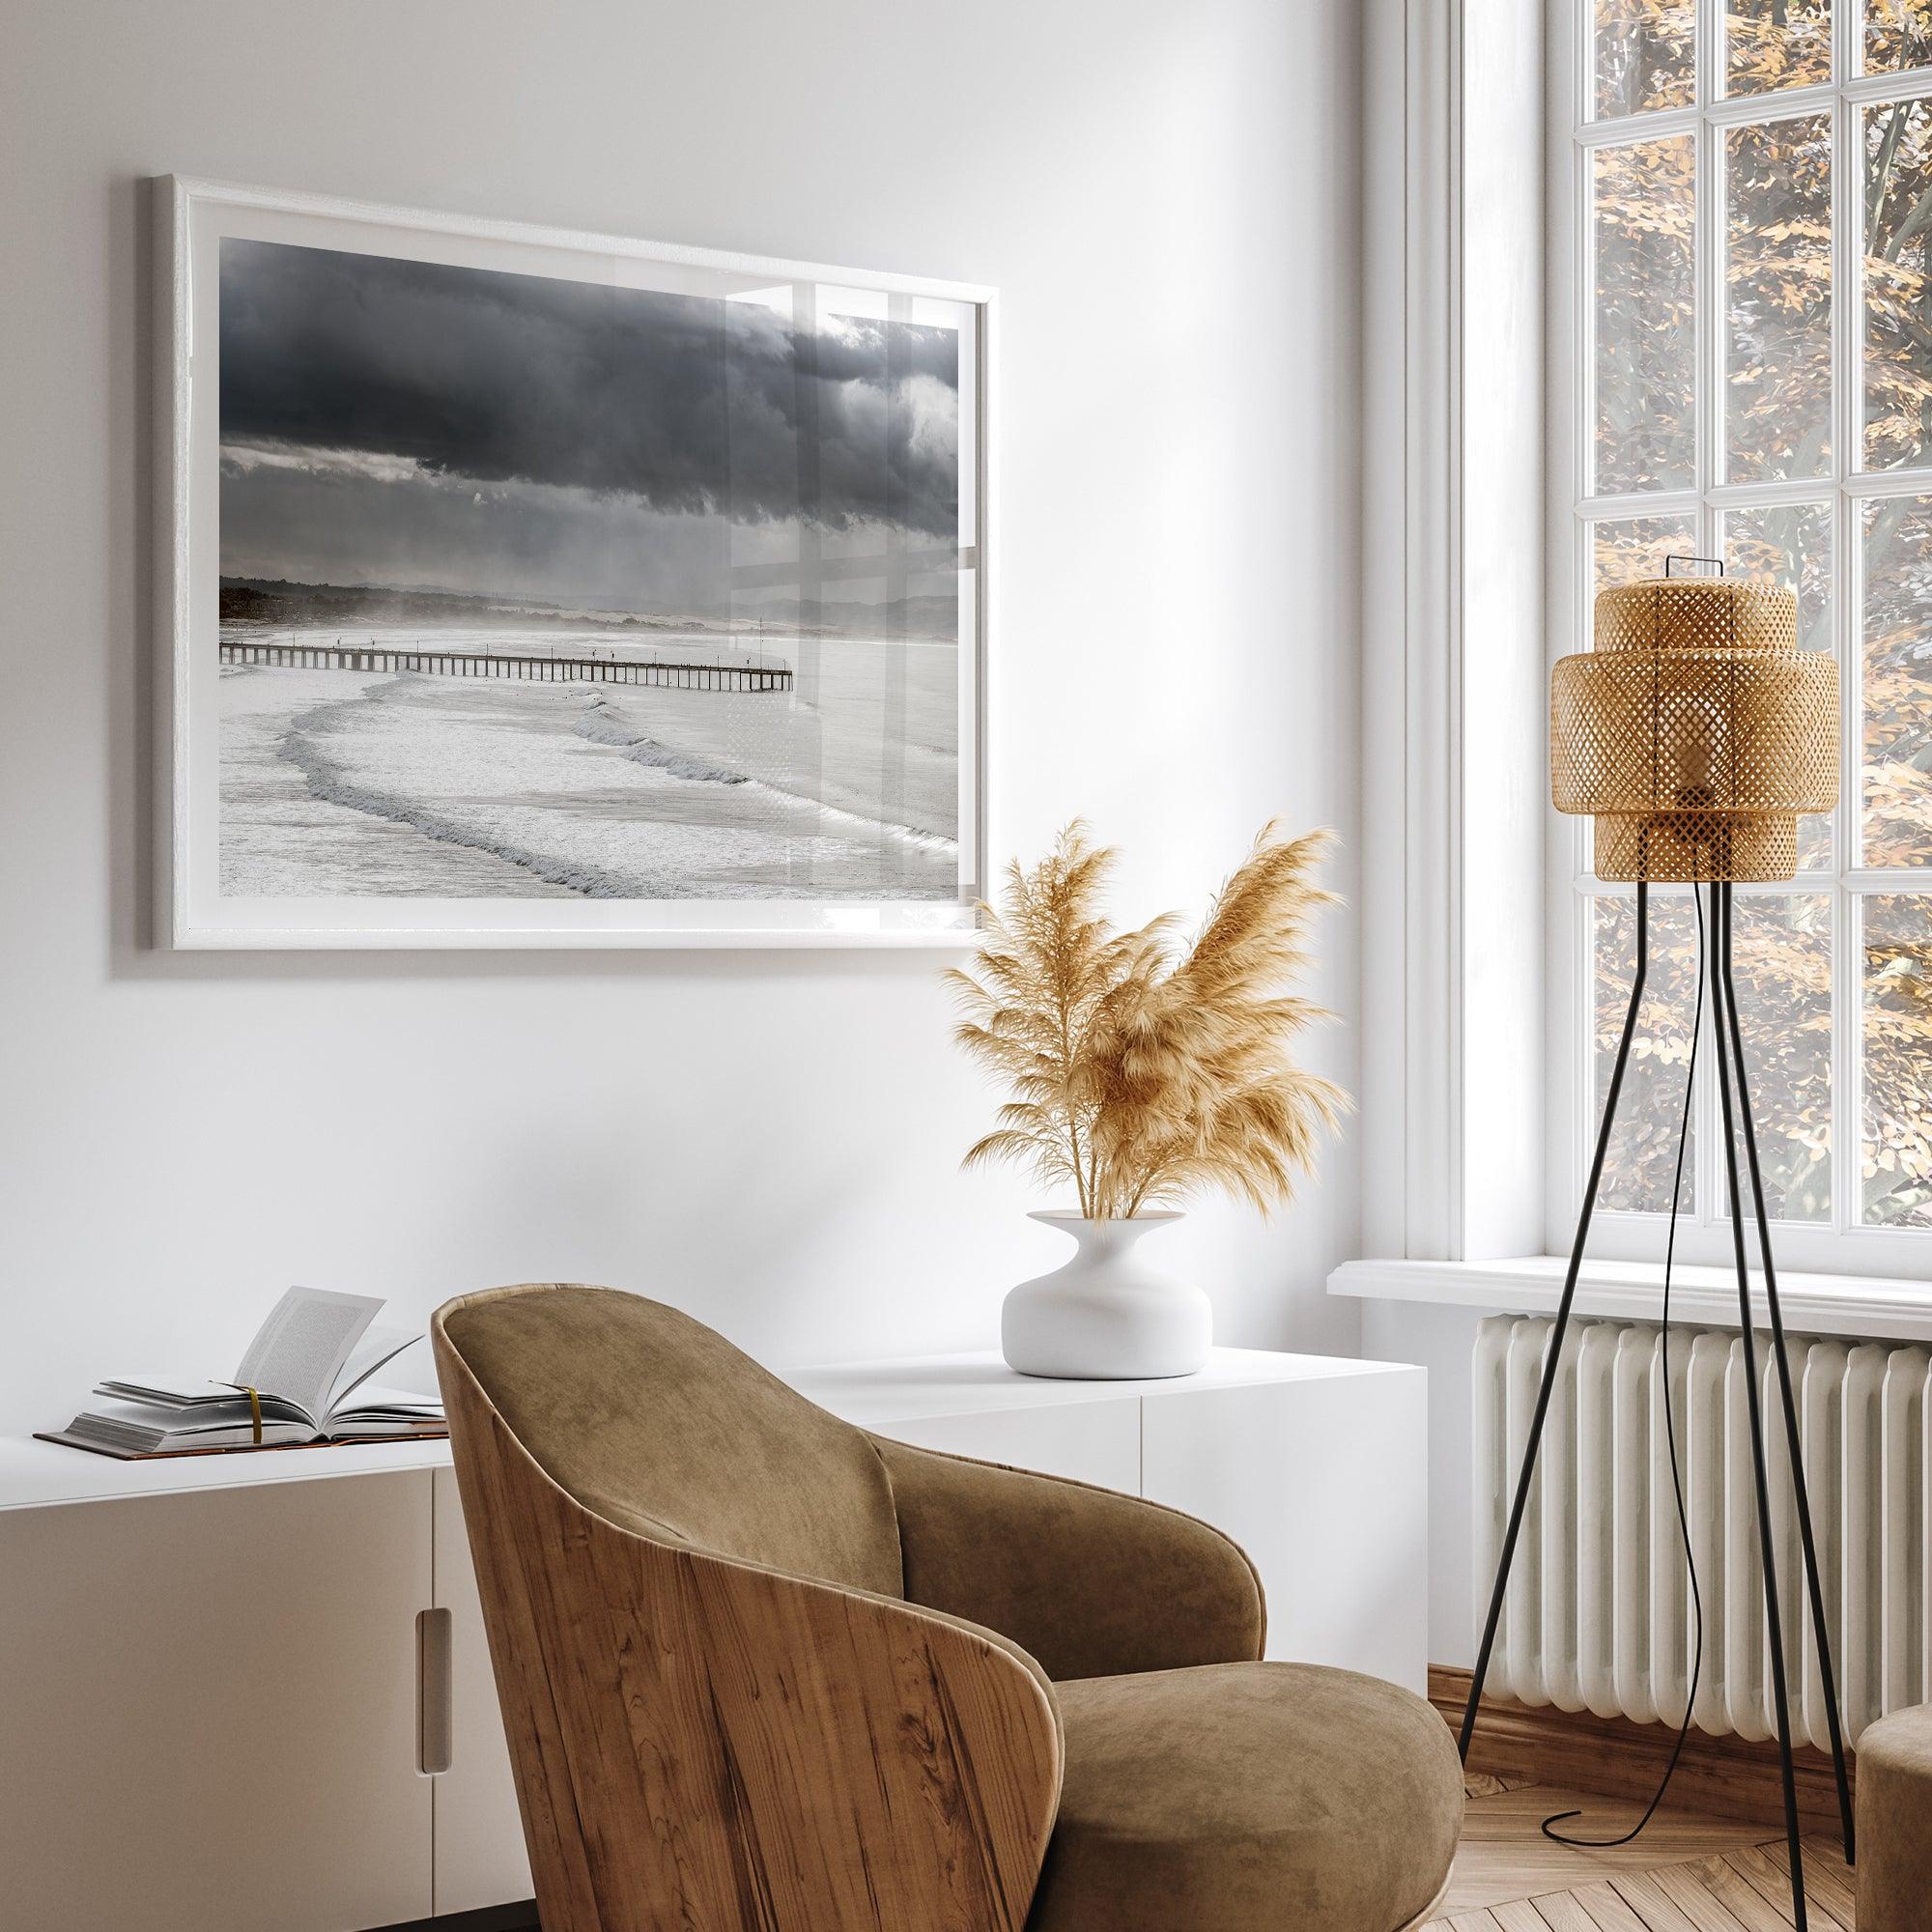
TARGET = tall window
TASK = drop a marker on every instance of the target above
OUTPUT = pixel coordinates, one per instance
(1752, 189)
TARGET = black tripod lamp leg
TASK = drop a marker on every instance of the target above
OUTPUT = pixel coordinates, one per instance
(1754, 1405)
(1553, 1354)
(1799, 1490)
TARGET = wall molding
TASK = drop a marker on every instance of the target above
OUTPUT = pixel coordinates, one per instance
(1576, 1750)
(1452, 597)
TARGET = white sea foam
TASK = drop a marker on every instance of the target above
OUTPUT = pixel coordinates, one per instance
(601, 727)
(603, 724)
(277, 836)
(502, 788)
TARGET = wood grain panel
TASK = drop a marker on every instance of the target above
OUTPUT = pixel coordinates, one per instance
(1771, 1881)
(1606, 1909)
(1519, 1916)
(701, 1741)
(1747, 1907)
(1503, 1875)
(1828, 1884)
(1655, 1906)
(1560, 1912)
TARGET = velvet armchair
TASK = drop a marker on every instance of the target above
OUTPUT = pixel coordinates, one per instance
(761, 1669)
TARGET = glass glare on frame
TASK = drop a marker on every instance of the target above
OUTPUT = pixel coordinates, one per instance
(1791, 544)
(1642, 1157)
(1897, 678)
(1645, 56)
(1643, 226)
(1777, 284)
(1896, 1043)
(1898, 322)
(1898, 35)
(1773, 43)
(1782, 949)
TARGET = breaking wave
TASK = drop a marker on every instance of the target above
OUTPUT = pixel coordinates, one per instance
(602, 726)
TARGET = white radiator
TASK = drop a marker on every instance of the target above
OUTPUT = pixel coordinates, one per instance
(1598, 1614)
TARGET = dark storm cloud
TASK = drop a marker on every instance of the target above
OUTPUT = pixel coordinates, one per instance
(689, 402)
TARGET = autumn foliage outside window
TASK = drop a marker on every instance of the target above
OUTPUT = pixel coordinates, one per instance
(1754, 187)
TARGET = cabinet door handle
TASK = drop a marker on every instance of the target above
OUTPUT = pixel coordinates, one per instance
(433, 1693)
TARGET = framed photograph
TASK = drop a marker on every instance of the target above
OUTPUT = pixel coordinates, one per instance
(533, 588)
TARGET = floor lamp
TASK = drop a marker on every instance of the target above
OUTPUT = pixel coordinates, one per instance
(1695, 735)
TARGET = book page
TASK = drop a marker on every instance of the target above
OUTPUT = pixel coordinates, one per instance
(302, 1346)
(377, 1349)
(211, 1396)
(378, 1411)
(174, 1391)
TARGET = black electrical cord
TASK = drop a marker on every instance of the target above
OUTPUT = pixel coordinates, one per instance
(1670, 1431)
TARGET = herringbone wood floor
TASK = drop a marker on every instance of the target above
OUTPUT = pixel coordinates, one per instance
(1688, 1872)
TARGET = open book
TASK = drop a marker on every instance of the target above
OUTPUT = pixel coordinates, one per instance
(311, 1371)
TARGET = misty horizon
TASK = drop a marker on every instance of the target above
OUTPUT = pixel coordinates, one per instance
(394, 424)
(848, 591)
(923, 617)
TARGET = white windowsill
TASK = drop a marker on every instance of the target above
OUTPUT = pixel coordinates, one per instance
(1814, 1304)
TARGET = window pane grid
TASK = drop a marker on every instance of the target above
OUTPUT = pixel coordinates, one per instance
(1644, 55)
(1776, 310)
(1896, 1025)
(1866, 486)
(1771, 46)
(1897, 35)
(1638, 1174)
(1738, 109)
(1645, 227)
(1735, 169)
(1896, 372)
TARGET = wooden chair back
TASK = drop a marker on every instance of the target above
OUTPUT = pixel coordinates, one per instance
(703, 1738)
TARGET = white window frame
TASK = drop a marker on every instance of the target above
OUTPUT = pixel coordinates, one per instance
(1847, 1246)
(1473, 1109)
(1454, 787)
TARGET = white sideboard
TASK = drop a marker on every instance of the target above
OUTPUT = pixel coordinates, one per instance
(218, 1675)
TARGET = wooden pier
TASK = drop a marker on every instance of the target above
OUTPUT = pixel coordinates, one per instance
(526, 665)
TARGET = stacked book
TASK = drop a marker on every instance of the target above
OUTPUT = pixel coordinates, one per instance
(310, 1376)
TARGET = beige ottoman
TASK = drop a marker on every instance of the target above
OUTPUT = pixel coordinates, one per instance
(1895, 1823)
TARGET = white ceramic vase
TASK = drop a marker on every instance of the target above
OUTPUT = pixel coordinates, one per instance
(1108, 1314)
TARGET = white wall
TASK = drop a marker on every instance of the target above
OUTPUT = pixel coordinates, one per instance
(1165, 198)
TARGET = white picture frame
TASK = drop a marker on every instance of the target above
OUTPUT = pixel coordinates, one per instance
(192, 219)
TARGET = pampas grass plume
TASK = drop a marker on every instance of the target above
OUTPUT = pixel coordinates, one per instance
(1141, 1070)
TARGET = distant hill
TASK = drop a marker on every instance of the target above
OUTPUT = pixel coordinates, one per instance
(278, 603)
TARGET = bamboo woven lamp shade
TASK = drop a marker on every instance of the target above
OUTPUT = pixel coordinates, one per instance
(1695, 732)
